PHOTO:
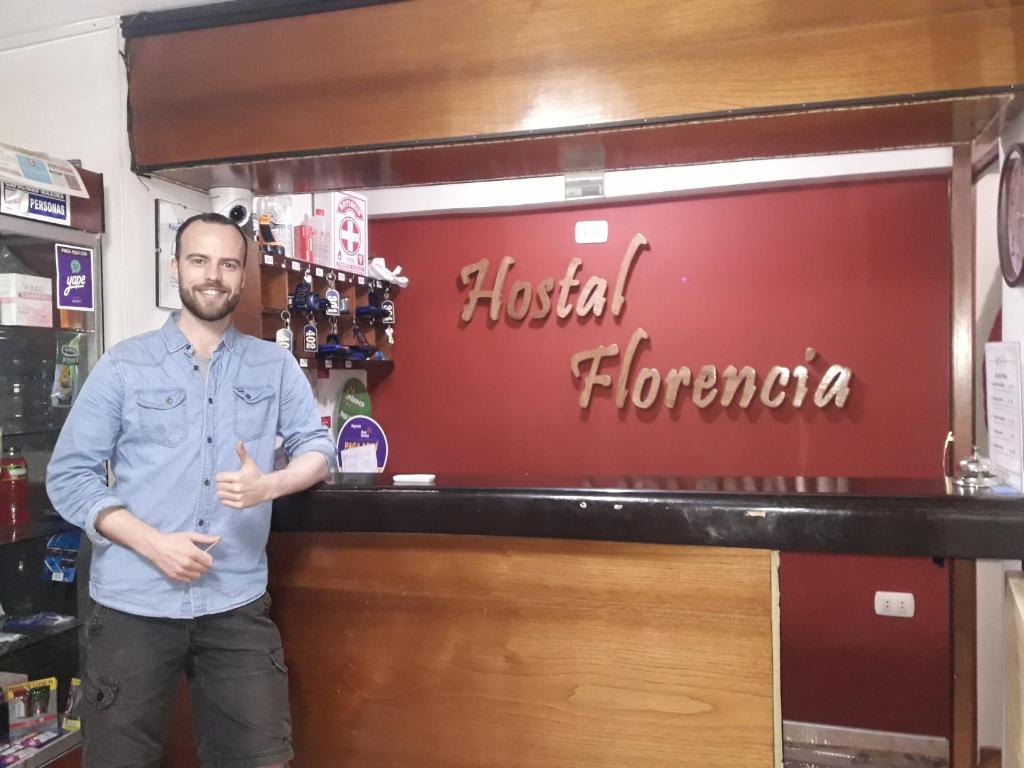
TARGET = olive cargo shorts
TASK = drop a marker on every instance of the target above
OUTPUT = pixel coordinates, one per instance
(237, 680)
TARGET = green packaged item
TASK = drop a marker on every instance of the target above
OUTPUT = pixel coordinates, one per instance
(65, 375)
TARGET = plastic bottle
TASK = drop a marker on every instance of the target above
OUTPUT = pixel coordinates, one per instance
(321, 238)
(13, 488)
(304, 239)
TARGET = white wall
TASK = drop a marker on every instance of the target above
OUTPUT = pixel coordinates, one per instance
(989, 575)
(65, 93)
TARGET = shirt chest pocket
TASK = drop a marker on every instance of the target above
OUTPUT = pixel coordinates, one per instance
(252, 411)
(162, 416)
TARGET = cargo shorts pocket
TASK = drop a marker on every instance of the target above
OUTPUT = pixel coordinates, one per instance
(99, 694)
(162, 416)
(252, 410)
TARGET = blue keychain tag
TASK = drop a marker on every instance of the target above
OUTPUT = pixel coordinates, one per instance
(309, 342)
(333, 302)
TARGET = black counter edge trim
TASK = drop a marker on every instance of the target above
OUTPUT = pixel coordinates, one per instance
(928, 528)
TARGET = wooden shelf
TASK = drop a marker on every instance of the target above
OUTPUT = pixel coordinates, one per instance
(376, 370)
(344, 278)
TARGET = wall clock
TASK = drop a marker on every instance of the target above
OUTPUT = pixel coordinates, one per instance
(1011, 216)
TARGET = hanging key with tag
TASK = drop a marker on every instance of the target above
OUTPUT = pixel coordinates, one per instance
(332, 337)
(283, 337)
(309, 336)
(333, 297)
(388, 320)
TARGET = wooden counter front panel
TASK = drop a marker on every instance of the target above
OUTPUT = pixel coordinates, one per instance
(459, 652)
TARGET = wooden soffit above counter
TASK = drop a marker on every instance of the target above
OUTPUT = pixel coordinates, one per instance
(430, 91)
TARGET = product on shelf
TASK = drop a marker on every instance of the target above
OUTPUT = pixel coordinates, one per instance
(13, 488)
(31, 707)
(26, 300)
(65, 374)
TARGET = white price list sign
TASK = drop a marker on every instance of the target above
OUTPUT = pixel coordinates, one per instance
(1003, 402)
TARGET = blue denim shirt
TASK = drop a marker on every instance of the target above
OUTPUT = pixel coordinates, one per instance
(167, 433)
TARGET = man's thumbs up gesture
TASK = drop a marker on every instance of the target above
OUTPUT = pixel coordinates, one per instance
(245, 488)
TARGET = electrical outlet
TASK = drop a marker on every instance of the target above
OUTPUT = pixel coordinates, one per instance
(591, 231)
(895, 604)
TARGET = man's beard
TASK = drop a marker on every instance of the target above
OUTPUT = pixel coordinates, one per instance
(214, 313)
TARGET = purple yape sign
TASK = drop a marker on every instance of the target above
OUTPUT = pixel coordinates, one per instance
(74, 278)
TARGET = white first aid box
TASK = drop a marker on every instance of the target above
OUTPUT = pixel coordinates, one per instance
(26, 300)
(345, 244)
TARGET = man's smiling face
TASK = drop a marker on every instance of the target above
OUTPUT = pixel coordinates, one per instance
(210, 268)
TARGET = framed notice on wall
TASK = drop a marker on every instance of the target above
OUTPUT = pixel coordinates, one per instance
(169, 216)
(1005, 415)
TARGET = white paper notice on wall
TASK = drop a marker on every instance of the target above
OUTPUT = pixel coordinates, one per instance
(591, 231)
(1003, 401)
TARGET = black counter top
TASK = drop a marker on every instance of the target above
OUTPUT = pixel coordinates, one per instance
(882, 516)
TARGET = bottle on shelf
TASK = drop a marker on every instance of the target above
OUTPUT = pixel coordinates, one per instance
(303, 235)
(321, 238)
(13, 488)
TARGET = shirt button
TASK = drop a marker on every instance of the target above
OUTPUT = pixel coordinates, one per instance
(206, 482)
(209, 439)
(209, 400)
(202, 523)
(169, 401)
(188, 346)
(195, 367)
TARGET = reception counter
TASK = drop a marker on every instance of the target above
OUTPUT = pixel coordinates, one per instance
(571, 621)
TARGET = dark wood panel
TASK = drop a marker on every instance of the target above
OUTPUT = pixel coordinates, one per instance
(824, 131)
(442, 69)
(87, 214)
(247, 314)
(70, 759)
(464, 651)
(963, 748)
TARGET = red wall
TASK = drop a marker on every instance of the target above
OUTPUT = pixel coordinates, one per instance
(859, 271)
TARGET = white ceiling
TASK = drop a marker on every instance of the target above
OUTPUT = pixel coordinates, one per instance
(21, 17)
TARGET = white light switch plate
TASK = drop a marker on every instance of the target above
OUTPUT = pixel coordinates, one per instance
(591, 231)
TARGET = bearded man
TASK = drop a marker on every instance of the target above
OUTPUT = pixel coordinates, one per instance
(188, 417)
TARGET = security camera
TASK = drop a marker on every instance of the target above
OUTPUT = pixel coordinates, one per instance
(233, 202)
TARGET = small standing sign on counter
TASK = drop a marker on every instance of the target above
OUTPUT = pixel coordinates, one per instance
(1003, 403)
(362, 445)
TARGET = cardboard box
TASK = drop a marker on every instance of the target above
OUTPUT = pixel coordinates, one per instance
(26, 300)
(31, 706)
(346, 243)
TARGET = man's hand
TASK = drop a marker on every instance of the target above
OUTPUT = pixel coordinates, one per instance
(178, 555)
(247, 487)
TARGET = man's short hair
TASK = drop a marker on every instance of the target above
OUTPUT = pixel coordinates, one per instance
(211, 218)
